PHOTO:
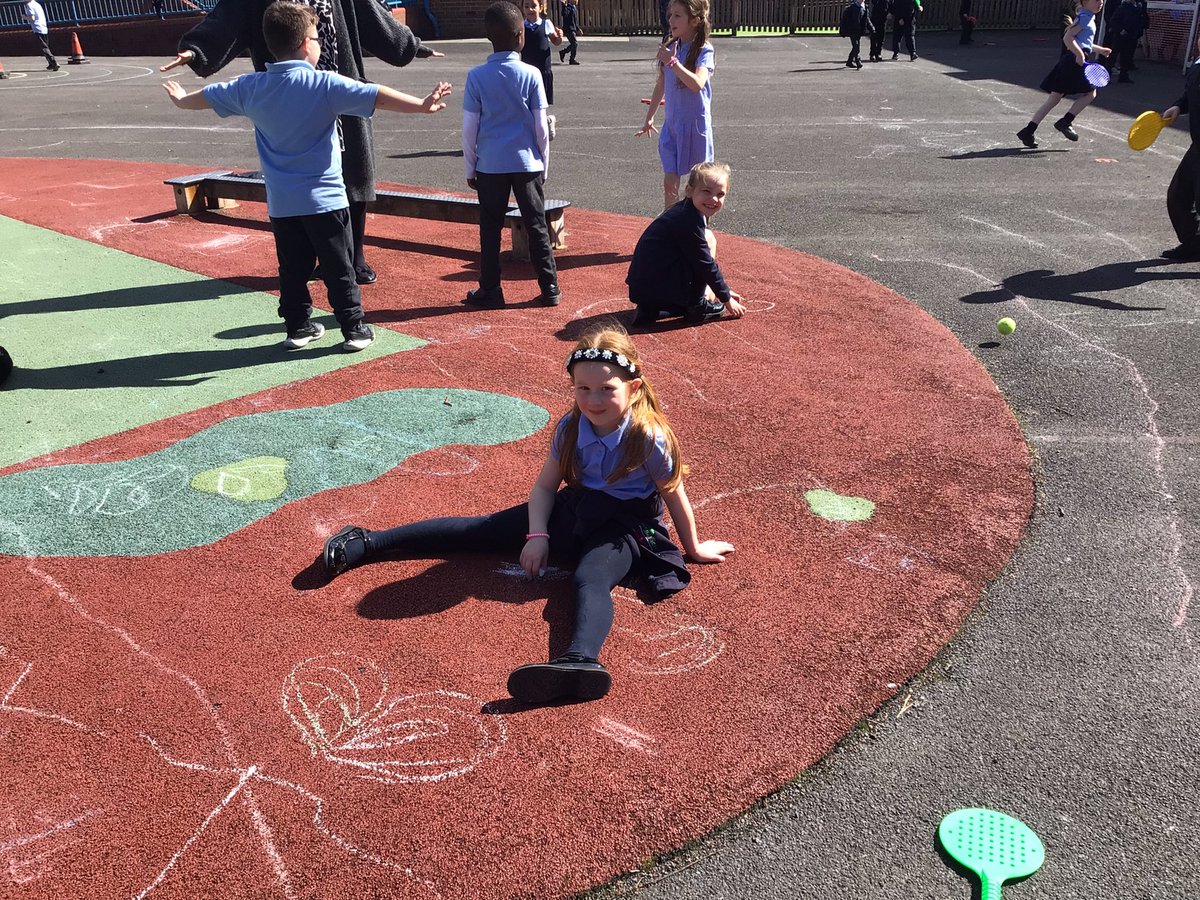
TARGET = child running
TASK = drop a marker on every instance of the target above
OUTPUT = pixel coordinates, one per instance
(621, 464)
(294, 109)
(1183, 194)
(685, 66)
(1066, 79)
(674, 269)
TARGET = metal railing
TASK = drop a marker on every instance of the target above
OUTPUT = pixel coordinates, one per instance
(791, 16)
(78, 12)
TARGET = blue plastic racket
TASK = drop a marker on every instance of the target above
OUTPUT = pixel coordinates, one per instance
(1097, 76)
(994, 846)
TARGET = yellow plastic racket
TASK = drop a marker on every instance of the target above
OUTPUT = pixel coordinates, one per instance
(1145, 129)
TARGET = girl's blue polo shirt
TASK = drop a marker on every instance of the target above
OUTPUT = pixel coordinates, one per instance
(294, 109)
(598, 457)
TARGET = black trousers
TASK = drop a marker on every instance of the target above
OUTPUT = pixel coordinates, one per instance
(46, 52)
(302, 241)
(601, 566)
(877, 38)
(493, 193)
(907, 30)
(855, 48)
(574, 46)
(1183, 199)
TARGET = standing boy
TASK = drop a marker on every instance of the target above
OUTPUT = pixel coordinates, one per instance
(36, 17)
(855, 23)
(570, 27)
(294, 109)
(506, 147)
(904, 25)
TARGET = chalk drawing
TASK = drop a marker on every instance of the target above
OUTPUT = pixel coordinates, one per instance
(672, 650)
(885, 553)
(440, 462)
(7, 706)
(122, 496)
(27, 856)
(625, 736)
(257, 478)
(514, 570)
(347, 714)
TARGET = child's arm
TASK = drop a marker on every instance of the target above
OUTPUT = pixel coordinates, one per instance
(685, 527)
(1072, 45)
(655, 98)
(184, 100)
(536, 551)
(693, 81)
(395, 101)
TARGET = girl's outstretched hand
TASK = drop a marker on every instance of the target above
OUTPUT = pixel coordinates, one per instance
(711, 552)
(534, 556)
(647, 129)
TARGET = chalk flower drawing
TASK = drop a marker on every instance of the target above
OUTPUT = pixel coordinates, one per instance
(342, 705)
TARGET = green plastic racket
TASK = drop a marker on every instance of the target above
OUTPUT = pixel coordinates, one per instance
(994, 846)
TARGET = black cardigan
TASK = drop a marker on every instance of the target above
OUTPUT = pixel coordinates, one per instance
(672, 264)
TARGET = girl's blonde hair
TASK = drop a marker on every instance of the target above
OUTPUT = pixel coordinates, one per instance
(646, 419)
(703, 170)
(695, 9)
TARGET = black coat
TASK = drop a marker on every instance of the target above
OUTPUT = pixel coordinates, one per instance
(1190, 98)
(235, 26)
(856, 22)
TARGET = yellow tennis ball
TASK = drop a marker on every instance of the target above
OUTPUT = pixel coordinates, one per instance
(1006, 325)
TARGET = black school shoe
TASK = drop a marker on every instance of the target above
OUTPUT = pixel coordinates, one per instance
(565, 678)
(550, 296)
(336, 559)
(708, 311)
(485, 298)
(1067, 131)
(1182, 253)
(1026, 136)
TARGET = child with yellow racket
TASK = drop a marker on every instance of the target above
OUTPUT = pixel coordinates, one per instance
(1183, 195)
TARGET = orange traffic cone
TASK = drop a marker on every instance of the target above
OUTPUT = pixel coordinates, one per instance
(3, 74)
(77, 58)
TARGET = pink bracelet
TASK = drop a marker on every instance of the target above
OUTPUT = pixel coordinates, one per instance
(673, 63)
(530, 537)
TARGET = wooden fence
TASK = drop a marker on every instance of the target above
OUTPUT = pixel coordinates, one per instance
(794, 16)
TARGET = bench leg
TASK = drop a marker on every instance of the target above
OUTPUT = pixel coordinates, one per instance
(520, 237)
(220, 203)
(188, 198)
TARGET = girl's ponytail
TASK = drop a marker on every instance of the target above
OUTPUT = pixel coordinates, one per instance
(697, 9)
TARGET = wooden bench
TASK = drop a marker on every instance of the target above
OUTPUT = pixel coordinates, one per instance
(223, 189)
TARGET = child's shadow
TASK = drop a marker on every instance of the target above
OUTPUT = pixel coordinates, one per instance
(446, 584)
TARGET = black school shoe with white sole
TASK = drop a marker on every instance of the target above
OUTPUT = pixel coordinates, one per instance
(565, 678)
(1067, 131)
(336, 558)
(708, 311)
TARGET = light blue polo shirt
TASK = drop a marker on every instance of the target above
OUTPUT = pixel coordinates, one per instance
(294, 109)
(37, 19)
(504, 92)
(598, 457)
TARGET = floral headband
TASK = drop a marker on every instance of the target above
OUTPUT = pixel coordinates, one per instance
(595, 354)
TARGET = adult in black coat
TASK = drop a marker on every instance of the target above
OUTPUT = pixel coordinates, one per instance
(345, 28)
(904, 24)
(1183, 194)
(879, 16)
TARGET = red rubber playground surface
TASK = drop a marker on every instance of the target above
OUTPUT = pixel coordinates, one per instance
(215, 721)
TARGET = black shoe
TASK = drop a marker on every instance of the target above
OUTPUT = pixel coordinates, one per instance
(849, 64)
(364, 274)
(550, 296)
(53, 67)
(647, 316)
(334, 554)
(1183, 253)
(486, 298)
(1026, 136)
(564, 678)
(895, 56)
(360, 337)
(707, 311)
(304, 335)
(911, 57)
(1067, 131)
(562, 54)
(574, 62)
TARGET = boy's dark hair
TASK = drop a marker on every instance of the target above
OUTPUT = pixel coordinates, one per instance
(285, 26)
(503, 24)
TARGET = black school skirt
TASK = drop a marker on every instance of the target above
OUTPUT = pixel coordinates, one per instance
(1066, 78)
